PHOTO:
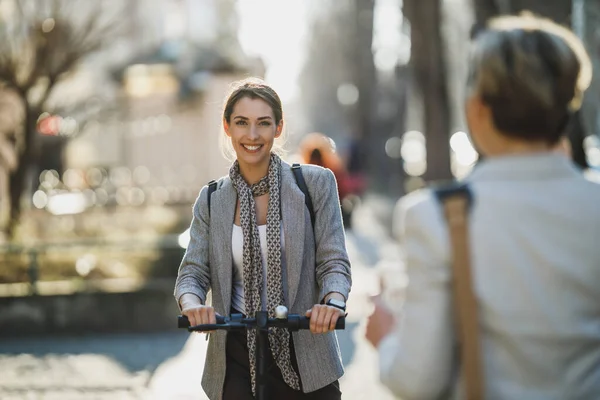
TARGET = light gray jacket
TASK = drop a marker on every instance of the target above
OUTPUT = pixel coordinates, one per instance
(535, 250)
(311, 272)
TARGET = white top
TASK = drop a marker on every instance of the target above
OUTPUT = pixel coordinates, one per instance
(237, 246)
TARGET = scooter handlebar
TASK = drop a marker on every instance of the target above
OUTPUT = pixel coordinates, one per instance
(293, 322)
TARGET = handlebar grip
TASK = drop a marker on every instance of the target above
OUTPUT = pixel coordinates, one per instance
(305, 323)
(184, 322)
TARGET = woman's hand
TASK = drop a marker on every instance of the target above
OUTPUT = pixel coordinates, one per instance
(380, 323)
(200, 315)
(196, 312)
(323, 318)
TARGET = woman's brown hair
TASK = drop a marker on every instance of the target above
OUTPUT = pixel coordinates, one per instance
(253, 88)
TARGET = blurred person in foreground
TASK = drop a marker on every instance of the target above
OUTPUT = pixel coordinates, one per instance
(534, 226)
(319, 149)
(256, 249)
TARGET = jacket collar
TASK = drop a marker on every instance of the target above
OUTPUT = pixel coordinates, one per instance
(538, 166)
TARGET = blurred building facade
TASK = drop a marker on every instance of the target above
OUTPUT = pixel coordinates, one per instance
(169, 75)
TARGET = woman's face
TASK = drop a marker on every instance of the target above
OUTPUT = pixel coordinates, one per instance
(253, 131)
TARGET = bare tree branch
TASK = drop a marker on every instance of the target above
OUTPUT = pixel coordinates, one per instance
(42, 44)
(95, 108)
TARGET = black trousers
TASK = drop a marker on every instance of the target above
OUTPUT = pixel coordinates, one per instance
(237, 384)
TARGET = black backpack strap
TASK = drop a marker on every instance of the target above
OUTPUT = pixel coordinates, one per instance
(212, 186)
(297, 170)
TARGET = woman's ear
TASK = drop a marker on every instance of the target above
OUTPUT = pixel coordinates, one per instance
(226, 127)
(279, 129)
(477, 112)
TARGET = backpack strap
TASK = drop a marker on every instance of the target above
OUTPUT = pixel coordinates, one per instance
(456, 201)
(212, 186)
(297, 170)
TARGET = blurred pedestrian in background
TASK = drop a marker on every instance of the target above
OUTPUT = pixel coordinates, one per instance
(533, 232)
(319, 149)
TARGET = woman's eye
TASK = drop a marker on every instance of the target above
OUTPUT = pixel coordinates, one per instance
(265, 123)
(240, 122)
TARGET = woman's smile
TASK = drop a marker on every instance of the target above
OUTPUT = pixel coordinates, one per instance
(252, 148)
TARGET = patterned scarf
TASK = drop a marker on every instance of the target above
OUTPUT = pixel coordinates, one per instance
(279, 338)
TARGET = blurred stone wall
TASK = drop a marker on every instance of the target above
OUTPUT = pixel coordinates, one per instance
(149, 309)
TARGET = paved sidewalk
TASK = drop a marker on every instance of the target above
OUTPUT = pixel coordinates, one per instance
(98, 367)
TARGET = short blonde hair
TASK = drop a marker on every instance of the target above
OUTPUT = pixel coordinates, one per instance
(532, 72)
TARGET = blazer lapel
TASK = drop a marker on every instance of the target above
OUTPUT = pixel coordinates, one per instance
(293, 217)
(223, 206)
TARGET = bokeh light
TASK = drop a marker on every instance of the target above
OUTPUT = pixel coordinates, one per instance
(40, 199)
(50, 177)
(413, 153)
(463, 149)
(66, 203)
(347, 94)
(393, 147)
(141, 175)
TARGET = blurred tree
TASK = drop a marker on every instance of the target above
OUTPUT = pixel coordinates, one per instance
(586, 24)
(42, 44)
(339, 81)
(558, 10)
(366, 83)
(561, 12)
(428, 66)
(327, 67)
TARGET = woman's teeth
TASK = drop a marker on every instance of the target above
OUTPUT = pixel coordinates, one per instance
(251, 148)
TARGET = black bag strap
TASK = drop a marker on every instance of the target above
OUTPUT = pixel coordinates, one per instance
(297, 170)
(212, 186)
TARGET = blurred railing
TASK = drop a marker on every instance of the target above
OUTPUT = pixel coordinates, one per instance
(34, 285)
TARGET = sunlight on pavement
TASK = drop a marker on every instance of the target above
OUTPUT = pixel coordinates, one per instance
(26, 376)
(361, 378)
(179, 378)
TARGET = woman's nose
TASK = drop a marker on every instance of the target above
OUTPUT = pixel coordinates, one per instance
(253, 132)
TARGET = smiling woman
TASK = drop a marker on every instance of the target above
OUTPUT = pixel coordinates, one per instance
(257, 248)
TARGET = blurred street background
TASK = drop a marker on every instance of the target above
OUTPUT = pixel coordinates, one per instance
(110, 123)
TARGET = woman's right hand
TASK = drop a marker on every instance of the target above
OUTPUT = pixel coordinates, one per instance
(200, 315)
(196, 312)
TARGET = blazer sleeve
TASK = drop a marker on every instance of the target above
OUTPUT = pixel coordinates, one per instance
(194, 271)
(332, 263)
(416, 358)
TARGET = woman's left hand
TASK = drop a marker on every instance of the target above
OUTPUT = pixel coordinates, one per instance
(380, 323)
(323, 318)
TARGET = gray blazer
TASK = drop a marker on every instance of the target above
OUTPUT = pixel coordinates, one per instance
(311, 271)
(535, 251)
